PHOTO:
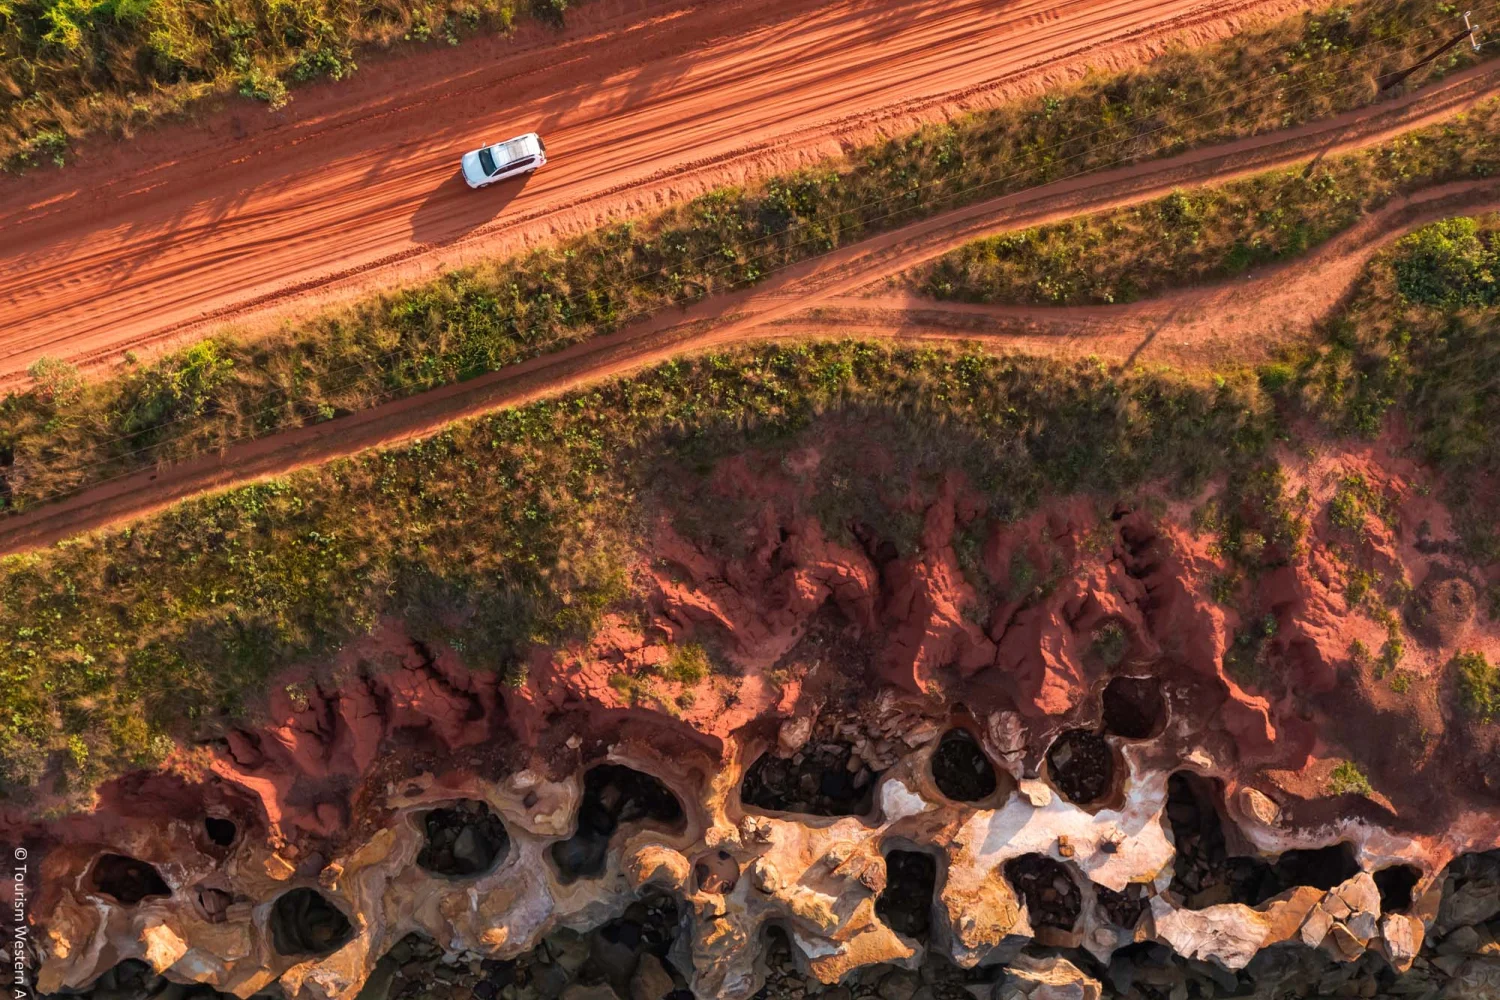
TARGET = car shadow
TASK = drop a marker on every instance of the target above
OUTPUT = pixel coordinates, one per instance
(454, 209)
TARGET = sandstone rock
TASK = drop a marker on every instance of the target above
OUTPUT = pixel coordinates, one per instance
(1230, 934)
(1050, 978)
(328, 878)
(1403, 939)
(651, 980)
(1360, 894)
(1316, 927)
(1259, 806)
(816, 876)
(1038, 793)
(1471, 900)
(162, 947)
(898, 985)
(983, 912)
(1474, 979)
(1007, 733)
(1462, 941)
(279, 868)
(794, 734)
(657, 865)
(1348, 946)
(765, 876)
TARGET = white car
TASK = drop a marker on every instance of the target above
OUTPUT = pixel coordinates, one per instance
(510, 158)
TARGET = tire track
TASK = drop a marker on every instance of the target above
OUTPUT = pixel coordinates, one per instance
(820, 298)
(355, 186)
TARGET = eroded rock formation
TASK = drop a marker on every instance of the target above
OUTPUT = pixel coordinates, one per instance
(1094, 731)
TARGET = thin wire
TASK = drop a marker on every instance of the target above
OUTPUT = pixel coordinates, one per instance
(400, 391)
(396, 392)
(619, 285)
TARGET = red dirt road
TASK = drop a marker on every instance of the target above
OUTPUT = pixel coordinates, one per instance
(650, 101)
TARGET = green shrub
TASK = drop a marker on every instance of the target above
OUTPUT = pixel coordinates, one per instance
(259, 85)
(1352, 500)
(45, 143)
(1245, 658)
(1447, 265)
(1348, 779)
(688, 665)
(550, 10)
(1478, 685)
(333, 63)
(178, 387)
(56, 382)
(1437, 364)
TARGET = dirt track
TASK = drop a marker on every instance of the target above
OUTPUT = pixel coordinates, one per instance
(644, 102)
(823, 297)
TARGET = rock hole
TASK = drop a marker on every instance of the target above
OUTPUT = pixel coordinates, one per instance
(618, 949)
(304, 922)
(1321, 867)
(880, 550)
(782, 979)
(1123, 909)
(463, 840)
(128, 879)
(1204, 874)
(717, 873)
(1052, 898)
(1396, 885)
(1082, 766)
(905, 905)
(1134, 708)
(130, 978)
(220, 831)
(961, 770)
(613, 794)
(822, 779)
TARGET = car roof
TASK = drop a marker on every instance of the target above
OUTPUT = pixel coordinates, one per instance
(514, 149)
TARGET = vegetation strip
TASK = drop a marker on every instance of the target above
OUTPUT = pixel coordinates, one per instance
(523, 526)
(1213, 232)
(66, 434)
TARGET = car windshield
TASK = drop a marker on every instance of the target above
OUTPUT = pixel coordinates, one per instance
(487, 162)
